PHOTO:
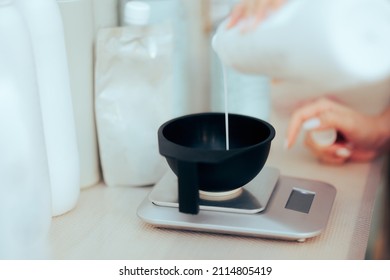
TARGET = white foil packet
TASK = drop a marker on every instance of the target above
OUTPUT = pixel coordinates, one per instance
(133, 97)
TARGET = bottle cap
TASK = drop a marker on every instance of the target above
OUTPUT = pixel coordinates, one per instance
(324, 138)
(137, 13)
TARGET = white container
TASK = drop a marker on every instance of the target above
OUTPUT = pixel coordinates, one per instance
(122, 4)
(25, 200)
(133, 98)
(44, 22)
(192, 60)
(78, 23)
(106, 14)
(246, 94)
(331, 44)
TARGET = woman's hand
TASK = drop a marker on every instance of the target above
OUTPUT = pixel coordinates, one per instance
(256, 9)
(362, 137)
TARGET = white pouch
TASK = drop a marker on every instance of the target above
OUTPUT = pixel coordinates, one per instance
(133, 98)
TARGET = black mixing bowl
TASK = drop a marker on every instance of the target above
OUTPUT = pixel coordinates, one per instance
(195, 149)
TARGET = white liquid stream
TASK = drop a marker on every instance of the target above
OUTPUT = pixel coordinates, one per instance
(226, 107)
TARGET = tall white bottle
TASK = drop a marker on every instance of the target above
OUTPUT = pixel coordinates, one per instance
(25, 201)
(44, 22)
(78, 23)
(105, 14)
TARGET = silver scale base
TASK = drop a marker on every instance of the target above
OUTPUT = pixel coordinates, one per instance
(270, 206)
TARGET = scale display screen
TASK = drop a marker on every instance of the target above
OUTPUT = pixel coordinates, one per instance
(300, 200)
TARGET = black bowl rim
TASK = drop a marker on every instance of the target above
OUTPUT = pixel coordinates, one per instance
(270, 137)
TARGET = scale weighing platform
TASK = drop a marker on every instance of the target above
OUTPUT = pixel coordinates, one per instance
(270, 206)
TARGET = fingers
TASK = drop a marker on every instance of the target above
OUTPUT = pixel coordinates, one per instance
(236, 15)
(247, 9)
(334, 154)
(319, 115)
(327, 120)
(276, 4)
(258, 10)
(302, 115)
(363, 155)
(339, 153)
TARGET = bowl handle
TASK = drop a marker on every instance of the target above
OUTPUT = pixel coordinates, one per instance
(188, 187)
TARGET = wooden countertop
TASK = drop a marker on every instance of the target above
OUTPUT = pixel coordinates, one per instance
(104, 224)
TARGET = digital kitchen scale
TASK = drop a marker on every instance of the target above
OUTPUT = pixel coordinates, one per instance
(269, 206)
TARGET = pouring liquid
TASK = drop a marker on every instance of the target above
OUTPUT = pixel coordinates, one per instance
(226, 106)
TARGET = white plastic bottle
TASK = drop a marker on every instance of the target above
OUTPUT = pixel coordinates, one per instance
(245, 94)
(192, 77)
(329, 44)
(77, 16)
(25, 200)
(44, 22)
(122, 4)
(106, 14)
(322, 138)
